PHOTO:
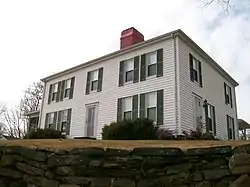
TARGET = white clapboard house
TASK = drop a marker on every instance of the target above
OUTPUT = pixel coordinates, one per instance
(168, 79)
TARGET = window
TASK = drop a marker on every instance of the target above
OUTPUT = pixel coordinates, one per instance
(129, 70)
(127, 108)
(54, 91)
(94, 80)
(228, 95)
(151, 103)
(151, 59)
(230, 128)
(50, 119)
(211, 118)
(63, 122)
(67, 88)
(195, 70)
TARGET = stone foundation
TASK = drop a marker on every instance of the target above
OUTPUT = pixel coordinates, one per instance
(141, 167)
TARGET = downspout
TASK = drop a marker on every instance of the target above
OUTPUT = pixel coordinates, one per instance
(41, 109)
(176, 83)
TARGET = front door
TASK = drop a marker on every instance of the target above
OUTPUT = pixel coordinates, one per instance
(197, 112)
(91, 120)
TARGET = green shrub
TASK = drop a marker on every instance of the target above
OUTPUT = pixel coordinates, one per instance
(140, 129)
(44, 134)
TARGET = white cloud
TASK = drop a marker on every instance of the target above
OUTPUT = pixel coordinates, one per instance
(38, 38)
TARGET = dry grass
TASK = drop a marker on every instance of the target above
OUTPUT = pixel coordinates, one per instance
(129, 145)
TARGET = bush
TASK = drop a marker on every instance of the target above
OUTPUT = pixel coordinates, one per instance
(140, 129)
(44, 134)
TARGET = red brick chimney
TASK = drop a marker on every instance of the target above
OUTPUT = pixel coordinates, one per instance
(130, 37)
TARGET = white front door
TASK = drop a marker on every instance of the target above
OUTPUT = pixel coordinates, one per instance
(197, 112)
(91, 120)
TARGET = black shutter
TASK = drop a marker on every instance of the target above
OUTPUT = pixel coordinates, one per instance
(135, 107)
(88, 83)
(225, 92)
(72, 85)
(200, 73)
(136, 69)
(58, 91)
(46, 121)
(119, 109)
(160, 105)
(58, 127)
(100, 79)
(55, 120)
(62, 90)
(121, 74)
(142, 106)
(159, 64)
(143, 68)
(68, 121)
(228, 131)
(50, 94)
(191, 67)
(230, 95)
(214, 124)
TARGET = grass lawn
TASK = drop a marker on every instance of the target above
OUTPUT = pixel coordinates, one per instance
(129, 145)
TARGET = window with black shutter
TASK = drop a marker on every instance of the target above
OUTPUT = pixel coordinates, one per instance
(228, 95)
(195, 70)
(211, 118)
(94, 81)
(230, 128)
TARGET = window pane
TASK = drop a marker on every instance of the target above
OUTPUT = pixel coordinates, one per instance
(152, 113)
(129, 65)
(128, 104)
(55, 87)
(151, 100)
(94, 85)
(54, 96)
(151, 58)
(195, 75)
(65, 115)
(152, 70)
(51, 118)
(129, 76)
(128, 115)
(67, 83)
(94, 75)
(64, 127)
(67, 93)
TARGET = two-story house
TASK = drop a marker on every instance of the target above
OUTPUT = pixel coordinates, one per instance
(168, 79)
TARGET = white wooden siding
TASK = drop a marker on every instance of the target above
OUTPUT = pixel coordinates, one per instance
(212, 91)
(107, 98)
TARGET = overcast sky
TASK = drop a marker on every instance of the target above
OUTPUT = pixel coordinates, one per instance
(38, 38)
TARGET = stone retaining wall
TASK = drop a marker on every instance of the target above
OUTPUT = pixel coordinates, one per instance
(142, 167)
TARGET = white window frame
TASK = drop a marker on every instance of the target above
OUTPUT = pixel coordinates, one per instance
(231, 122)
(94, 79)
(148, 62)
(128, 69)
(148, 105)
(195, 62)
(66, 88)
(63, 112)
(125, 108)
(228, 94)
(54, 91)
(51, 119)
(210, 109)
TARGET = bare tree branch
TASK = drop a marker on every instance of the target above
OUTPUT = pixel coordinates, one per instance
(225, 3)
(15, 125)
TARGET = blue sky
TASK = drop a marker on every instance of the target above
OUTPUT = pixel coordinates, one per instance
(38, 38)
